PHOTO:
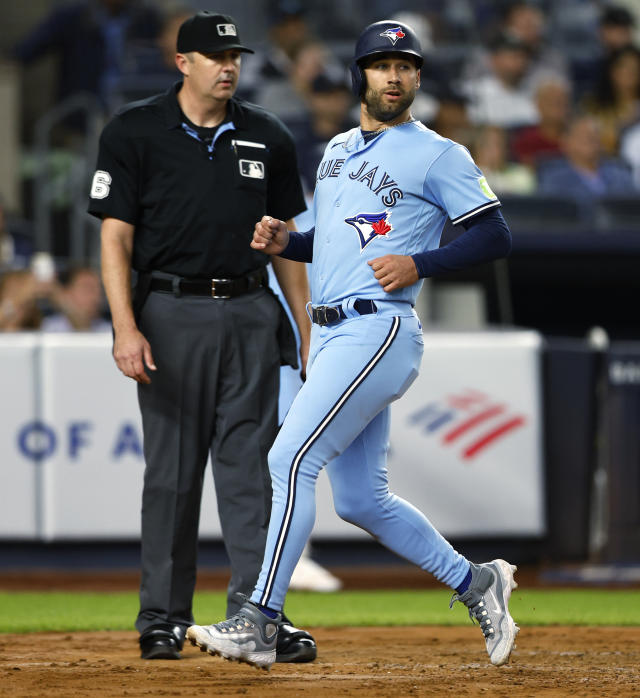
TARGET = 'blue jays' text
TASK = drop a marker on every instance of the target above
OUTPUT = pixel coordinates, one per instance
(383, 185)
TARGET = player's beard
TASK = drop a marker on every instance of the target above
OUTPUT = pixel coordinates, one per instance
(386, 112)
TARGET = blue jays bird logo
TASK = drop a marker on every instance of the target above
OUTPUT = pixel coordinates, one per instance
(370, 226)
(393, 34)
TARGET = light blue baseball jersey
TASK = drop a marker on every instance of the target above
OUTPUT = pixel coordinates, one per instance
(391, 195)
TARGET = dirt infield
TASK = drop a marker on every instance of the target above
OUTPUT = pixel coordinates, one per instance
(385, 662)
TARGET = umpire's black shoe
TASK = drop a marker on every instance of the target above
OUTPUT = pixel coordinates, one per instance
(293, 644)
(161, 642)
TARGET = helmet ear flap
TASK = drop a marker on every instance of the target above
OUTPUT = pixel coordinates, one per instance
(358, 82)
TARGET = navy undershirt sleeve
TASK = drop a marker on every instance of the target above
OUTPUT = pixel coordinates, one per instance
(300, 247)
(487, 237)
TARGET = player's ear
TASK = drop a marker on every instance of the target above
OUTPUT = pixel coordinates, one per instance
(418, 78)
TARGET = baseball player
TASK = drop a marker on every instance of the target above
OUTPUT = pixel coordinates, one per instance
(383, 194)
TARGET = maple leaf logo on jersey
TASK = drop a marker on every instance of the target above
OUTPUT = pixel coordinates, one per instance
(370, 226)
(393, 34)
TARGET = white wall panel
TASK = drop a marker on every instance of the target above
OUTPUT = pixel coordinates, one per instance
(21, 437)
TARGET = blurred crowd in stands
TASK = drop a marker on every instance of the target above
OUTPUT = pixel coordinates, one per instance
(546, 96)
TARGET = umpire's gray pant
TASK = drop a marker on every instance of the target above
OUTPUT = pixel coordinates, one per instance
(215, 391)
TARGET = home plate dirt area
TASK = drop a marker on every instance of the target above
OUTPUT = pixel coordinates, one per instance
(381, 661)
(386, 662)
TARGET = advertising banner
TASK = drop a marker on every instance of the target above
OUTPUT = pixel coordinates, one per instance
(465, 441)
(93, 471)
(466, 444)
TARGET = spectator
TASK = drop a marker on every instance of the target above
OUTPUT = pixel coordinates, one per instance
(288, 32)
(526, 21)
(616, 101)
(452, 118)
(279, 75)
(289, 97)
(329, 103)
(491, 153)
(79, 303)
(168, 36)
(614, 32)
(19, 301)
(630, 150)
(616, 28)
(151, 68)
(89, 37)
(15, 246)
(535, 143)
(583, 173)
(502, 97)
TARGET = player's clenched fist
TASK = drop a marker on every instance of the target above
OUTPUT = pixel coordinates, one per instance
(270, 235)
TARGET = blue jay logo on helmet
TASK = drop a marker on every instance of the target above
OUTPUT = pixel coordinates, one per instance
(393, 34)
(370, 226)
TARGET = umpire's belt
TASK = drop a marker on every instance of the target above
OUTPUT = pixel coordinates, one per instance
(214, 288)
(328, 314)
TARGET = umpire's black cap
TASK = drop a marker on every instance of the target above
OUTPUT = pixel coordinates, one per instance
(208, 32)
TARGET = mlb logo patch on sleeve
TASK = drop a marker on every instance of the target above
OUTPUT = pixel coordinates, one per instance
(227, 30)
(252, 168)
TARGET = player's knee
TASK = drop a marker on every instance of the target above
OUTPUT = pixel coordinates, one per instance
(281, 459)
(277, 472)
(366, 510)
(353, 508)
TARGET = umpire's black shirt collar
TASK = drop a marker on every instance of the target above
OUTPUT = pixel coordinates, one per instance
(173, 113)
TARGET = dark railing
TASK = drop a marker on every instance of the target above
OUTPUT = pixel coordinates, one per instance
(81, 226)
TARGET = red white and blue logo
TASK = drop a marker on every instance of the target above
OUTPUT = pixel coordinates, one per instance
(470, 421)
(371, 226)
(393, 34)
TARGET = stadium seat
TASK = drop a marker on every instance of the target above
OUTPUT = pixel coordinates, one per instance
(544, 213)
(619, 213)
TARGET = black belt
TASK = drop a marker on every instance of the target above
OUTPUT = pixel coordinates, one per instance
(328, 314)
(214, 288)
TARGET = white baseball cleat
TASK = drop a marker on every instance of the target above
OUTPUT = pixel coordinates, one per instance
(487, 599)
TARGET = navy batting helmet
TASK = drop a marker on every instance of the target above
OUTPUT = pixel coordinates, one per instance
(383, 37)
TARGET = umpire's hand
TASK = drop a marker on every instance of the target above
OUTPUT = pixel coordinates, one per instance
(270, 235)
(132, 352)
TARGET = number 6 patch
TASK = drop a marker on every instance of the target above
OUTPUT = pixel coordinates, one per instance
(100, 185)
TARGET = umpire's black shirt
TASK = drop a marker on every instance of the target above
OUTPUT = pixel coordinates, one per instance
(194, 204)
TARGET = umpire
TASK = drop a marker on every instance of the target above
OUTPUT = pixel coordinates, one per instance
(181, 179)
